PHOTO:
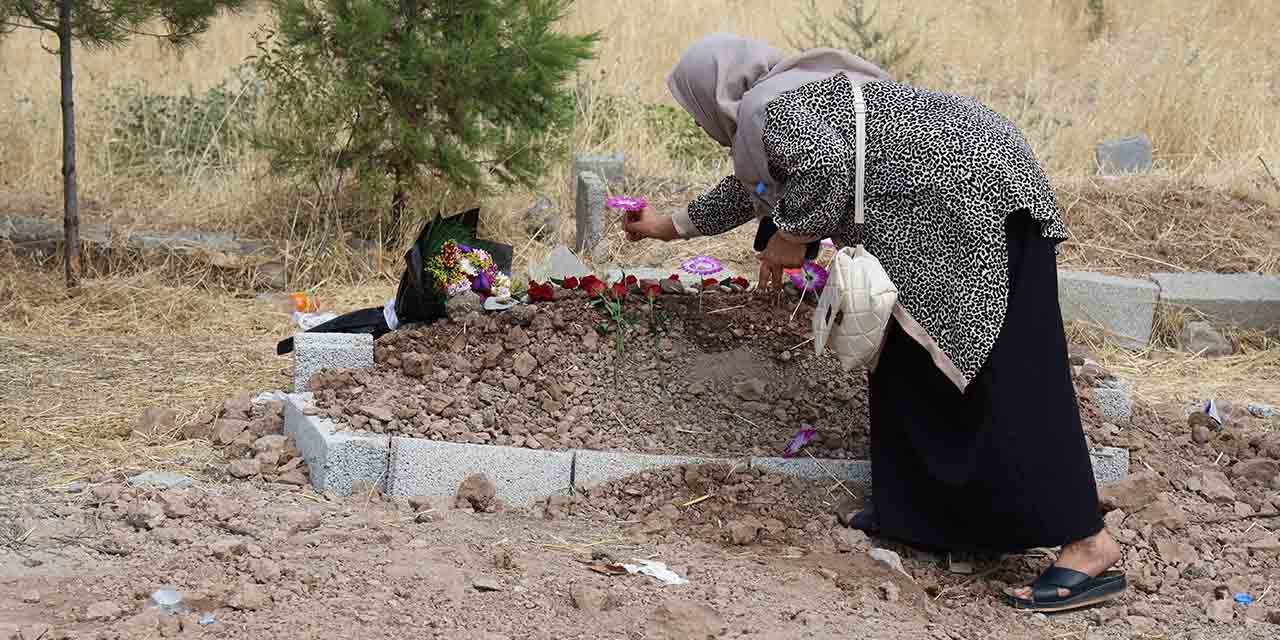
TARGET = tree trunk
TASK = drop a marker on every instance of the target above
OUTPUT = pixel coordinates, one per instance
(70, 204)
(399, 201)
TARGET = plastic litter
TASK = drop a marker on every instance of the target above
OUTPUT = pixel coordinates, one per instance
(1211, 410)
(290, 302)
(207, 619)
(1244, 599)
(268, 396)
(494, 303)
(656, 570)
(308, 321)
(168, 600)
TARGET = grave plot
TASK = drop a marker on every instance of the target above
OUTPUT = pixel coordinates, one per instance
(732, 374)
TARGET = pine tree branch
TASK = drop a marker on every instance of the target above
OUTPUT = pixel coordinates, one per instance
(29, 10)
(18, 25)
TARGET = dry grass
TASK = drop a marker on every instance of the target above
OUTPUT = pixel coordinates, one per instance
(1199, 78)
(76, 369)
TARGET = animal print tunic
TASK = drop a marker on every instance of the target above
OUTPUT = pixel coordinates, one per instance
(942, 173)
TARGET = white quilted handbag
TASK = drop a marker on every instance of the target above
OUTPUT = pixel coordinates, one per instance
(855, 306)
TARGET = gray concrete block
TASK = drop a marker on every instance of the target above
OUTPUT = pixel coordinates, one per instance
(335, 458)
(1110, 464)
(591, 468)
(421, 467)
(1247, 300)
(850, 472)
(1114, 402)
(313, 352)
(589, 214)
(1122, 307)
(1124, 156)
(609, 166)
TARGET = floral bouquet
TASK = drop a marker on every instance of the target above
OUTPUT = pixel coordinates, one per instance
(458, 268)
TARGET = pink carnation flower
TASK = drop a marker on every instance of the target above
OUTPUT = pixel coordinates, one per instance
(627, 203)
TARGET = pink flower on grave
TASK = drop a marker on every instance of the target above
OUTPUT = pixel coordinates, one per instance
(701, 266)
(627, 203)
(802, 437)
(811, 277)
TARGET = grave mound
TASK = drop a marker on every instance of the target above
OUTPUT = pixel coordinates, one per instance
(730, 374)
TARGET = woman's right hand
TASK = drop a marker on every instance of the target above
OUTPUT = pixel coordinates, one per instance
(649, 224)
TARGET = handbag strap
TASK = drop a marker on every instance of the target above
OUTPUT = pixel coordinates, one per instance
(860, 153)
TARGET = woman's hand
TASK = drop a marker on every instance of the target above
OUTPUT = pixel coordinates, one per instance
(649, 224)
(779, 254)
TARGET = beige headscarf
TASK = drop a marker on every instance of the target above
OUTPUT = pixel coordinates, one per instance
(725, 82)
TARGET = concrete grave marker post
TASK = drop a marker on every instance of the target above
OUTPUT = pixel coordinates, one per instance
(1124, 156)
(589, 211)
(611, 167)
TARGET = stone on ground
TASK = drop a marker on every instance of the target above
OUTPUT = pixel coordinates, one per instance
(1202, 338)
(160, 480)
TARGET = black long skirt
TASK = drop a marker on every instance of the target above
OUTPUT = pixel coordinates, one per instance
(1003, 467)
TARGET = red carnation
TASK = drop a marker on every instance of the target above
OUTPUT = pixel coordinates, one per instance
(592, 285)
(741, 282)
(541, 292)
(570, 283)
(673, 277)
(619, 290)
(710, 282)
(651, 291)
(630, 281)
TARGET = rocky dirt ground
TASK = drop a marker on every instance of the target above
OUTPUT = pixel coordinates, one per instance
(258, 553)
(727, 375)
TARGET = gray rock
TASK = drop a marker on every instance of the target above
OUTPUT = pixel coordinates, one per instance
(562, 263)
(542, 219)
(612, 167)
(161, 480)
(1201, 338)
(1124, 156)
(589, 214)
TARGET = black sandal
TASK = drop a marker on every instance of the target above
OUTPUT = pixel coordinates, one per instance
(1085, 590)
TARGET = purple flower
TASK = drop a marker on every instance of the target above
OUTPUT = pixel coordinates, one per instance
(464, 248)
(482, 282)
(812, 277)
(701, 266)
(627, 203)
(801, 438)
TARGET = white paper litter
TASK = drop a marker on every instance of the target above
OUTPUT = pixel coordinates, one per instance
(1212, 410)
(655, 570)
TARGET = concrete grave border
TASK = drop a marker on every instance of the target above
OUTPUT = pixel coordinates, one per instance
(1125, 308)
(408, 467)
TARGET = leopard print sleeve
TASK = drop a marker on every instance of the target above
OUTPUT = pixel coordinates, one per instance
(723, 208)
(813, 162)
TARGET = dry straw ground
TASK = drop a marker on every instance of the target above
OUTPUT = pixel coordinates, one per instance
(1201, 79)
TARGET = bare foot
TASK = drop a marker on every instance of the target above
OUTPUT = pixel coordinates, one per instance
(1093, 555)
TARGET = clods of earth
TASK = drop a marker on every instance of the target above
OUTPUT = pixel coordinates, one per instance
(723, 374)
(761, 555)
